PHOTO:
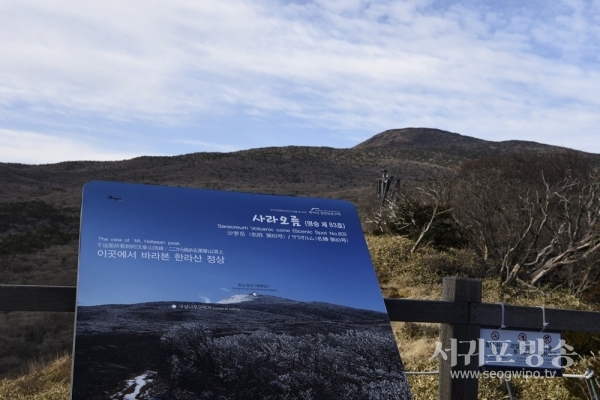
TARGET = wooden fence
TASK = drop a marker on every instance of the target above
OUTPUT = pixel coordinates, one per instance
(460, 312)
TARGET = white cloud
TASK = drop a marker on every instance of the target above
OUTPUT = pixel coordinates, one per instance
(35, 148)
(511, 70)
(209, 146)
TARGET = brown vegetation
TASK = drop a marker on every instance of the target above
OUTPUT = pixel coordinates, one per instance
(419, 275)
(49, 383)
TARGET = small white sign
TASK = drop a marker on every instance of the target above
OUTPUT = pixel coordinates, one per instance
(512, 349)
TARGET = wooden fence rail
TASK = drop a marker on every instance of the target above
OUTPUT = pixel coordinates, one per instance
(461, 314)
(37, 298)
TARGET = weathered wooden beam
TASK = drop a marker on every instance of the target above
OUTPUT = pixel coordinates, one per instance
(37, 298)
(437, 311)
(459, 388)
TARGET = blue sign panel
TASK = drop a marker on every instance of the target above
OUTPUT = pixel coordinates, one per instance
(202, 294)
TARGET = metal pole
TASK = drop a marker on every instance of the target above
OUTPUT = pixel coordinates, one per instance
(589, 378)
(509, 388)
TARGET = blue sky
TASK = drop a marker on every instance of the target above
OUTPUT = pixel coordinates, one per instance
(339, 273)
(113, 80)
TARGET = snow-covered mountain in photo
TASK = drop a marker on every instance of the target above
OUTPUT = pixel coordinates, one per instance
(238, 298)
(119, 343)
(254, 297)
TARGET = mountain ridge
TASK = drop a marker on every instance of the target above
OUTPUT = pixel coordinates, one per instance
(438, 138)
(292, 170)
(415, 137)
(253, 297)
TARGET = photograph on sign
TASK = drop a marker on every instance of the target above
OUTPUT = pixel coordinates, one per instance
(204, 294)
(508, 349)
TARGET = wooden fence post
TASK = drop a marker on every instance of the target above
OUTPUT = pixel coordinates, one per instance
(459, 388)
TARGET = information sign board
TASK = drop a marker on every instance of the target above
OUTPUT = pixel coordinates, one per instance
(188, 293)
(508, 349)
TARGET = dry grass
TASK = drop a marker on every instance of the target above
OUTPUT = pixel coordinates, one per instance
(420, 276)
(49, 383)
(27, 338)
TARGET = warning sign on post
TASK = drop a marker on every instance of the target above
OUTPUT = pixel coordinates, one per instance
(506, 349)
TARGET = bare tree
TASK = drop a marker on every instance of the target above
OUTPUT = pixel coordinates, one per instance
(537, 217)
(421, 213)
(574, 235)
